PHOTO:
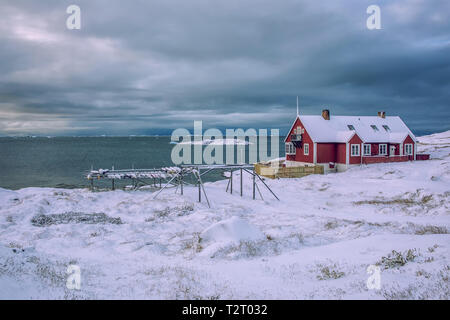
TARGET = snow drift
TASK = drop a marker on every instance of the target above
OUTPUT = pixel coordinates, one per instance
(316, 243)
(229, 235)
(231, 230)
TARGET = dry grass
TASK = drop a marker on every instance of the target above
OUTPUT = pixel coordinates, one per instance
(408, 199)
(42, 220)
(194, 243)
(397, 259)
(393, 201)
(184, 284)
(185, 209)
(329, 272)
(429, 229)
(429, 286)
(331, 225)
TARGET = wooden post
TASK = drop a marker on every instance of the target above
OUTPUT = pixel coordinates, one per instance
(204, 192)
(241, 182)
(199, 187)
(164, 187)
(113, 187)
(259, 192)
(231, 181)
(254, 184)
(181, 182)
(92, 184)
(267, 187)
(228, 185)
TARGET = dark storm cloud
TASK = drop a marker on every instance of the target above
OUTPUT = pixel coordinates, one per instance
(144, 66)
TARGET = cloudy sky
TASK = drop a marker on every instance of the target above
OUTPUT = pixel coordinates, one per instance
(146, 67)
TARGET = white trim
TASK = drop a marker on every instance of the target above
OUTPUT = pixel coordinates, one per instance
(351, 137)
(358, 148)
(364, 149)
(385, 149)
(314, 124)
(415, 150)
(292, 127)
(304, 149)
(361, 150)
(315, 152)
(347, 154)
(289, 148)
(406, 149)
(401, 149)
(390, 149)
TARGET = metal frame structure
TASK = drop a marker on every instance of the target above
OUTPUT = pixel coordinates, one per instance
(175, 177)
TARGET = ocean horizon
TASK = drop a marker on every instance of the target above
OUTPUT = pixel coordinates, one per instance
(63, 161)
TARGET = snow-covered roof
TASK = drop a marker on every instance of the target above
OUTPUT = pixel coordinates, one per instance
(369, 128)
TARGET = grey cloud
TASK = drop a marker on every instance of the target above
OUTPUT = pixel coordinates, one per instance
(148, 66)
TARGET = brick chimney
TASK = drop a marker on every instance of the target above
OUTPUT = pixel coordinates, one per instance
(326, 114)
(382, 114)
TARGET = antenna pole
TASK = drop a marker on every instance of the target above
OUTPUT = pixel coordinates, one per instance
(297, 106)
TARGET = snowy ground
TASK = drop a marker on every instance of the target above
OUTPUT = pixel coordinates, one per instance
(317, 242)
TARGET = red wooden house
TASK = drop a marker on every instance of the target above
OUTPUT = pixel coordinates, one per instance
(338, 142)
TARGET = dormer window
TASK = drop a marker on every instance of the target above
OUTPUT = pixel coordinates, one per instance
(386, 127)
(375, 128)
(351, 127)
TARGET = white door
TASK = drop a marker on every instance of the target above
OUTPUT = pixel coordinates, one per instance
(392, 151)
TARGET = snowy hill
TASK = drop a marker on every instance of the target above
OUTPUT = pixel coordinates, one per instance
(317, 242)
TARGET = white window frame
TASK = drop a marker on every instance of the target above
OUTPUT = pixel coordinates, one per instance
(289, 148)
(364, 149)
(392, 147)
(306, 149)
(409, 152)
(357, 148)
(385, 149)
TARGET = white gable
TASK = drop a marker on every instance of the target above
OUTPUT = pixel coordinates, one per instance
(336, 129)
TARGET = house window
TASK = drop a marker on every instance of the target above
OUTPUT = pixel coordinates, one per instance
(367, 149)
(386, 127)
(382, 149)
(355, 150)
(375, 128)
(290, 149)
(350, 127)
(409, 149)
(306, 149)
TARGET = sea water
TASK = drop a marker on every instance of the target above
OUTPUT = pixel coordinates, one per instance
(64, 161)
